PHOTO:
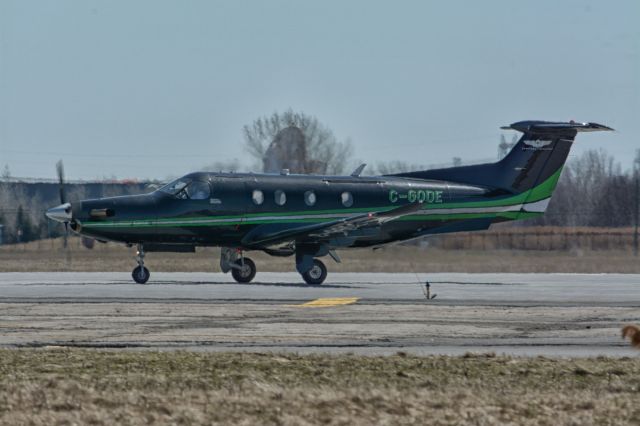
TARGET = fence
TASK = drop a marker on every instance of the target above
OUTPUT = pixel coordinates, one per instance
(538, 238)
(508, 238)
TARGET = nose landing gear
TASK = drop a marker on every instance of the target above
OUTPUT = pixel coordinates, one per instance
(140, 273)
(244, 270)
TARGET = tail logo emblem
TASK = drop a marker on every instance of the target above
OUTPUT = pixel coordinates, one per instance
(537, 144)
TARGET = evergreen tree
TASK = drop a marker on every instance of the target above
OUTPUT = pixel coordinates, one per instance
(25, 229)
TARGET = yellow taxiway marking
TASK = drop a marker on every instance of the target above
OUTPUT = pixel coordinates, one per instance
(329, 301)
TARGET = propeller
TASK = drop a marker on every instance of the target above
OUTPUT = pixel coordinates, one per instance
(63, 212)
(63, 197)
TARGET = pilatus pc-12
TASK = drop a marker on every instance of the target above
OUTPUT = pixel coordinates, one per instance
(310, 216)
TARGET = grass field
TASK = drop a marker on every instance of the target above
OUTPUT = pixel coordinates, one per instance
(48, 255)
(46, 387)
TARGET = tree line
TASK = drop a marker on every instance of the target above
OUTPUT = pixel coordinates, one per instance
(594, 191)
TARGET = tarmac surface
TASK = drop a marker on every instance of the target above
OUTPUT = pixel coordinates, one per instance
(518, 314)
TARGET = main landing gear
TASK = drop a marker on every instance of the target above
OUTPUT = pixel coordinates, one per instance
(140, 273)
(313, 271)
(317, 274)
(243, 269)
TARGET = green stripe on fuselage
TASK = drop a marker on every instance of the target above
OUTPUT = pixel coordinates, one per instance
(540, 192)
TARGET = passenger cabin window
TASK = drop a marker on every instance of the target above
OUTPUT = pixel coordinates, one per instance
(280, 197)
(347, 199)
(310, 198)
(258, 197)
(186, 189)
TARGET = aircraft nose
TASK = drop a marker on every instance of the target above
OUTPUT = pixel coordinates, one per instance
(61, 213)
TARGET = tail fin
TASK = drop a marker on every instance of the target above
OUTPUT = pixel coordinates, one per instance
(537, 158)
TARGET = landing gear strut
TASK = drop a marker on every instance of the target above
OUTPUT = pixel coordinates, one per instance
(317, 274)
(140, 273)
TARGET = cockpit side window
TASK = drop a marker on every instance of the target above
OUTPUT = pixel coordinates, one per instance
(198, 190)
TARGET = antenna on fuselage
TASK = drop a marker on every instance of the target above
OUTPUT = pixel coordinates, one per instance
(357, 172)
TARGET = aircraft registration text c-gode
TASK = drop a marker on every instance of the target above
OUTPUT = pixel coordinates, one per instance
(422, 196)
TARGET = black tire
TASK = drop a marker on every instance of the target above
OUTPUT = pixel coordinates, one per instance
(140, 274)
(317, 274)
(246, 273)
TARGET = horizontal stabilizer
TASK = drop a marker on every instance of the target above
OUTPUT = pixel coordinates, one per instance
(555, 128)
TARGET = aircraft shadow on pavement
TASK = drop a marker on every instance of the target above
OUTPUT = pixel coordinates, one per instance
(252, 284)
(475, 283)
(195, 283)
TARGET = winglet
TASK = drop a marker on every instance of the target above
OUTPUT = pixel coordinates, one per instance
(357, 172)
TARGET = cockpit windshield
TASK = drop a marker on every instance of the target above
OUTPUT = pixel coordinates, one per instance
(176, 186)
(187, 189)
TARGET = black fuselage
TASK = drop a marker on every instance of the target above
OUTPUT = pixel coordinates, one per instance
(260, 211)
(230, 210)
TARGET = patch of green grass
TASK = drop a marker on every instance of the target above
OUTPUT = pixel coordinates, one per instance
(107, 387)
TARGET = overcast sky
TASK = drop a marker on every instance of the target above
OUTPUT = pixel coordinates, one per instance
(158, 88)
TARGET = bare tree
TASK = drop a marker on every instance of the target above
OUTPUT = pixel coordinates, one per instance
(392, 167)
(298, 142)
(592, 191)
(504, 147)
(223, 166)
(6, 173)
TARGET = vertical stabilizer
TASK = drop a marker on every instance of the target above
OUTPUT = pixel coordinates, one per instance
(536, 159)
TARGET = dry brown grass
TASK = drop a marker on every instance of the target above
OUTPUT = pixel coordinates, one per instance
(556, 238)
(44, 387)
(48, 255)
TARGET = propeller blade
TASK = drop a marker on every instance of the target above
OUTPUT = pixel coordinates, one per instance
(60, 172)
(63, 197)
(66, 234)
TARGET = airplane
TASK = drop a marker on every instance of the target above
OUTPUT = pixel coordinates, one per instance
(311, 216)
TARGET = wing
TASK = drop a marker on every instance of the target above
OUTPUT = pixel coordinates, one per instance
(273, 234)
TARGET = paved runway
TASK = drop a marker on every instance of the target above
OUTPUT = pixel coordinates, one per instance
(524, 314)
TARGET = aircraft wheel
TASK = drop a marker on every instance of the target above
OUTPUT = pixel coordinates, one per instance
(140, 274)
(317, 274)
(246, 272)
